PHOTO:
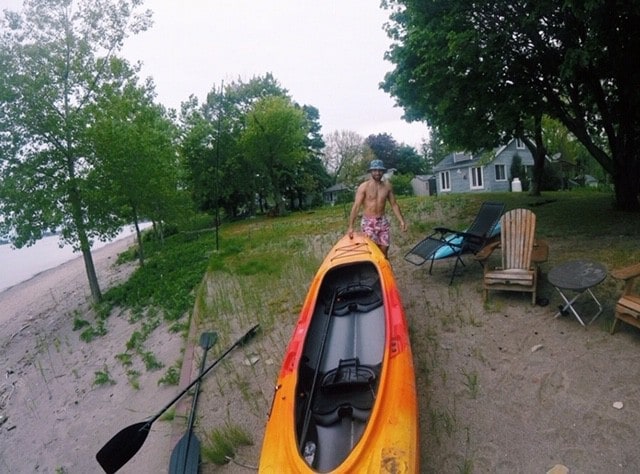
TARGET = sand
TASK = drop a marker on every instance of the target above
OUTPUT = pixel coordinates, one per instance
(504, 387)
(55, 417)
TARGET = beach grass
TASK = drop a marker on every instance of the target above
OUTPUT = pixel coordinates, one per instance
(263, 267)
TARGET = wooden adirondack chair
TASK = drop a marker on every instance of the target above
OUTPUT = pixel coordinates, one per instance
(518, 272)
(628, 306)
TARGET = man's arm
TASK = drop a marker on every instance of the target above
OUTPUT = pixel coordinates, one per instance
(396, 208)
(359, 199)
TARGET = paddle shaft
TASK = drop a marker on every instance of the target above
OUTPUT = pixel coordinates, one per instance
(128, 441)
(207, 340)
(307, 411)
(187, 451)
(249, 334)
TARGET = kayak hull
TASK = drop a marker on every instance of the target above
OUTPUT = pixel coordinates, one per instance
(345, 398)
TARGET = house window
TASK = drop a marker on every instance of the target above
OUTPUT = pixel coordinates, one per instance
(501, 173)
(519, 144)
(445, 183)
(476, 178)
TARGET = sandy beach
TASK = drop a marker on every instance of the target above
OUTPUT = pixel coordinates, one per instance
(504, 387)
(54, 418)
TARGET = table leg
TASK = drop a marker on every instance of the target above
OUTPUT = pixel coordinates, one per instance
(569, 305)
(599, 306)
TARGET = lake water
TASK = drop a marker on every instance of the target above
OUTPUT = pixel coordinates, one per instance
(18, 265)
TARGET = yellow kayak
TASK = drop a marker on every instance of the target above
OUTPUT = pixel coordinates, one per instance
(345, 399)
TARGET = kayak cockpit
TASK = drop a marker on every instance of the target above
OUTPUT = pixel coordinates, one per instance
(340, 366)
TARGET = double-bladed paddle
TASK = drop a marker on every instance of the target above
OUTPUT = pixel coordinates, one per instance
(127, 442)
(185, 457)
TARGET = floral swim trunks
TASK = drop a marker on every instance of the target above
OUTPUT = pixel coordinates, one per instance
(377, 229)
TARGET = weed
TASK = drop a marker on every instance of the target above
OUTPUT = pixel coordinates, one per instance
(441, 422)
(172, 375)
(80, 323)
(135, 341)
(92, 332)
(466, 467)
(150, 361)
(217, 448)
(134, 378)
(103, 377)
(477, 353)
(221, 444)
(125, 359)
(169, 415)
(471, 382)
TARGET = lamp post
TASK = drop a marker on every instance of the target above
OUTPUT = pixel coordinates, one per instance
(216, 184)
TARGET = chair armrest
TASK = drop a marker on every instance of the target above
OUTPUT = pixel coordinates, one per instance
(486, 251)
(445, 230)
(626, 273)
(540, 252)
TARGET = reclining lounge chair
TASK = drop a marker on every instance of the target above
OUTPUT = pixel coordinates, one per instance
(445, 243)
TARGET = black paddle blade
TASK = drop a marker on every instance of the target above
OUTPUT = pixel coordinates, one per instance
(185, 457)
(122, 447)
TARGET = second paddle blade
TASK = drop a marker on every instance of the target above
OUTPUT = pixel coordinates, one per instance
(185, 457)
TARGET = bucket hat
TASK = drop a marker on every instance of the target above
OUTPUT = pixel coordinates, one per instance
(377, 165)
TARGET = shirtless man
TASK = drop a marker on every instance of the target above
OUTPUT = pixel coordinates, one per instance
(373, 195)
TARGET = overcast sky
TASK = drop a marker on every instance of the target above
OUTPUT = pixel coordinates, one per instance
(327, 53)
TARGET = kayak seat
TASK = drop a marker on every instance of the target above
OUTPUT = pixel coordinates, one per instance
(346, 391)
(356, 298)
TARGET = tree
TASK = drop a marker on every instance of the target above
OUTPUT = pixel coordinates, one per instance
(275, 141)
(219, 174)
(385, 148)
(137, 169)
(311, 176)
(56, 56)
(436, 149)
(409, 162)
(486, 68)
(315, 142)
(343, 148)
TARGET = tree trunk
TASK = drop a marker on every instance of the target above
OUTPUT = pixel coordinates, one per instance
(84, 245)
(279, 202)
(539, 153)
(539, 156)
(140, 245)
(138, 235)
(627, 178)
(90, 268)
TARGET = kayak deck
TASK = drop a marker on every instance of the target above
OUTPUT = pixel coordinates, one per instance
(340, 365)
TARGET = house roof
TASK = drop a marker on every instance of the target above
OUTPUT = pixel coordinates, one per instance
(336, 188)
(455, 160)
(424, 177)
(461, 160)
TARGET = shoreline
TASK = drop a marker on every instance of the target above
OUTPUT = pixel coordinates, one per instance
(46, 254)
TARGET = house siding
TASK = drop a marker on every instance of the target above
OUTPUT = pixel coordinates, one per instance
(460, 171)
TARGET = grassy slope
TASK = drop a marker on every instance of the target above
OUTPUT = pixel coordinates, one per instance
(262, 271)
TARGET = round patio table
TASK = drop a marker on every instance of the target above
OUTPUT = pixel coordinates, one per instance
(577, 276)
